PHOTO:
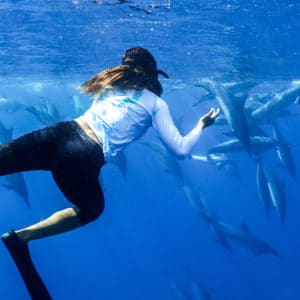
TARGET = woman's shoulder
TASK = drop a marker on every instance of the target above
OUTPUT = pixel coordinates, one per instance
(150, 94)
(157, 103)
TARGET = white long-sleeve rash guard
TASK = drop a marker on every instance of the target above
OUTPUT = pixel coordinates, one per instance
(120, 117)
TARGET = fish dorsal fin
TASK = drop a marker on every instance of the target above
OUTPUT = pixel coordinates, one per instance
(245, 227)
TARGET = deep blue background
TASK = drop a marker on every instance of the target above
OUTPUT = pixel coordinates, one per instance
(149, 232)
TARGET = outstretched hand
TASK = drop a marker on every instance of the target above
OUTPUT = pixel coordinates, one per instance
(209, 118)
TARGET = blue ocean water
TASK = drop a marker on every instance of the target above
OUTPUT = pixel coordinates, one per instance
(152, 242)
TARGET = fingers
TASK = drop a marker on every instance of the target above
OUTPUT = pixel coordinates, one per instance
(216, 112)
(213, 113)
(210, 113)
(210, 117)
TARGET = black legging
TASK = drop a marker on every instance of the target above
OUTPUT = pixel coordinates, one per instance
(73, 158)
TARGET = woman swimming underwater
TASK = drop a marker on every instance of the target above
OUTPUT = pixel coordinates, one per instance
(126, 102)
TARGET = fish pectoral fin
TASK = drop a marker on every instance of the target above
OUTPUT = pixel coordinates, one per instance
(8, 186)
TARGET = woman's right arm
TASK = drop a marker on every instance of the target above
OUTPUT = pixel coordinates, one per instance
(169, 134)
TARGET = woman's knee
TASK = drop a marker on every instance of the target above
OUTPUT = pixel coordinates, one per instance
(90, 213)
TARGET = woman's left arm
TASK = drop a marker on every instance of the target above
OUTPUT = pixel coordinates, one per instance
(169, 134)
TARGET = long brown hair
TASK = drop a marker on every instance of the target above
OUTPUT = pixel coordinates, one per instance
(138, 71)
(122, 77)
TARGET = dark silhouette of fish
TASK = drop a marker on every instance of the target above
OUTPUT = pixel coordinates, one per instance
(45, 112)
(274, 107)
(276, 192)
(7, 105)
(262, 187)
(218, 160)
(284, 151)
(15, 181)
(199, 292)
(243, 236)
(224, 231)
(233, 110)
(258, 145)
(169, 162)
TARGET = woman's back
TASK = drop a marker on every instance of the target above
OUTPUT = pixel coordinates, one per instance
(119, 117)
